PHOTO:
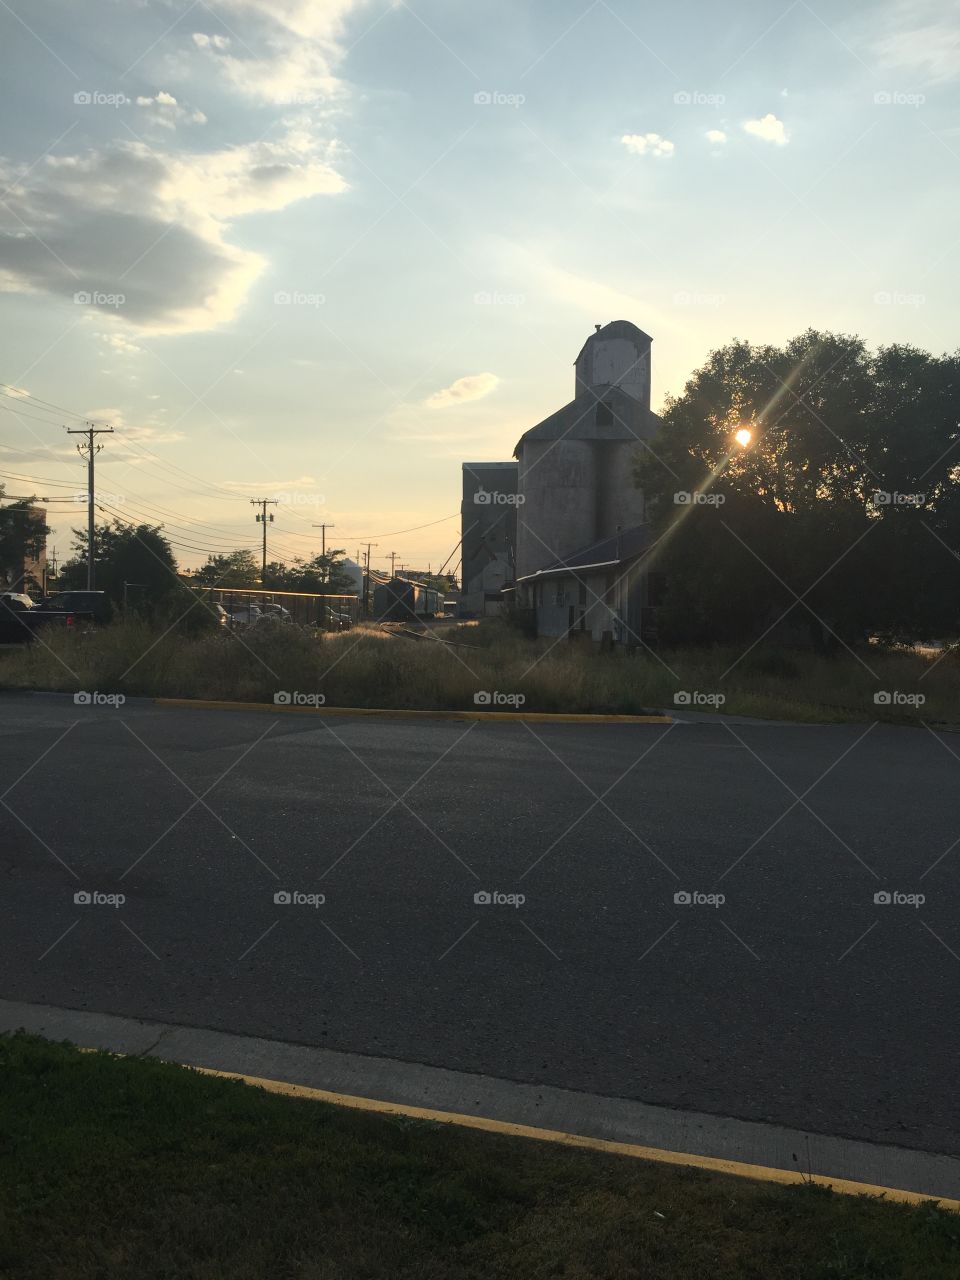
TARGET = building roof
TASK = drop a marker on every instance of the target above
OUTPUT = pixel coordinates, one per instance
(617, 329)
(578, 419)
(629, 544)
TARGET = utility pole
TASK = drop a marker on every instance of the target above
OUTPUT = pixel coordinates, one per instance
(323, 544)
(366, 580)
(393, 560)
(263, 503)
(90, 449)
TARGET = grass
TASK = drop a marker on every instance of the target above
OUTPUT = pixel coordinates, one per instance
(367, 667)
(127, 1167)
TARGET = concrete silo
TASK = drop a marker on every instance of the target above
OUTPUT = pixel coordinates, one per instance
(575, 469)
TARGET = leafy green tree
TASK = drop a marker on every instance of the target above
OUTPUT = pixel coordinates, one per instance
(236, 569)
(23, 528)
(848, 494)
(321, 574)
(138, 555)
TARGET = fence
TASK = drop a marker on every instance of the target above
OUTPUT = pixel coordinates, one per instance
(247, 605)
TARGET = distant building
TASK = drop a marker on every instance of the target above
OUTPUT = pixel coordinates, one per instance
(488, 515)
(581, 534)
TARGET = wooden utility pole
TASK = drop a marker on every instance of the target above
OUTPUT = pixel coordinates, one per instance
(90, 449)
(263, 503)
(323, 544)
(366, 581)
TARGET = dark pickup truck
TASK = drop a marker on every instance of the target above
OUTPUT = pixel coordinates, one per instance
(21, 619)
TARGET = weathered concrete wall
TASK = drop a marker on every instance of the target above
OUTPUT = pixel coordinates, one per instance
(488, 529)
(621, 361)
(557, 516)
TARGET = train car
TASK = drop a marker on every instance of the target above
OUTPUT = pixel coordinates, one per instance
(400, 600)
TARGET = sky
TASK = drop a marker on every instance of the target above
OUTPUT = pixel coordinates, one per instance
(324, 251)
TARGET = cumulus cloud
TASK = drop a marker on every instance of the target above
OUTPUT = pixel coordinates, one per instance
(291, 51)
(167, 112)
(647, 144)
(716, 135)
(769, 128)
(472, 387)
(142, 234)
(119, 344)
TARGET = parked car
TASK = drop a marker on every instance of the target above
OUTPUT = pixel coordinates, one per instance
(274, 613)
(14, 625)
(244, 615)
(90, 604)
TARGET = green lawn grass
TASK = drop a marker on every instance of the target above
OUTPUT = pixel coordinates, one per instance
(121, 1167)
(367, 667)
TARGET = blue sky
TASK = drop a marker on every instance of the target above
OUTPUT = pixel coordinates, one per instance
(328, 250)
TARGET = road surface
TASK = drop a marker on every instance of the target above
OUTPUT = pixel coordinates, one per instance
(797, 999)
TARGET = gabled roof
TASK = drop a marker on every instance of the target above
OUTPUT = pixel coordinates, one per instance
(629, 544)
(578, 420)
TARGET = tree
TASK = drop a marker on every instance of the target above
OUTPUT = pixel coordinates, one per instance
(23, 529)
(236, 569)
(319, 575)
(848, 494)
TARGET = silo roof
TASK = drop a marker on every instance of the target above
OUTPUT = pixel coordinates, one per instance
(578, 420)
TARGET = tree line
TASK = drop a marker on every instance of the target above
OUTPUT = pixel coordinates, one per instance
(838, 521)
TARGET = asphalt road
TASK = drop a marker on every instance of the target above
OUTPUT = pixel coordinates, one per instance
(797, 1000)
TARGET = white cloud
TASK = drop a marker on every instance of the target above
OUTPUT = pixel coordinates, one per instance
(920, 37)
(769, 128)
(203, 41)
(472, 387)
(152, 227)
(120, 344)
(642, 144)
(716, 135)
(290, 53)
(164, 110)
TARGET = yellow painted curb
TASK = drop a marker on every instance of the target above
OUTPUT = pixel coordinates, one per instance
(760, 1173)
(397, 713)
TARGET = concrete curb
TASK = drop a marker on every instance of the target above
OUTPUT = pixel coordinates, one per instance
(405, 714)
(615, 1125)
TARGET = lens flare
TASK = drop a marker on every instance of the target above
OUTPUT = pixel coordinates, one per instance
(743, 437)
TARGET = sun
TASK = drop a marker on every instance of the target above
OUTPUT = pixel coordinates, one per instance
(743, 437)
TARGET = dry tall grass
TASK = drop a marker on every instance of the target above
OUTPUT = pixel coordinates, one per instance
(369, 668)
